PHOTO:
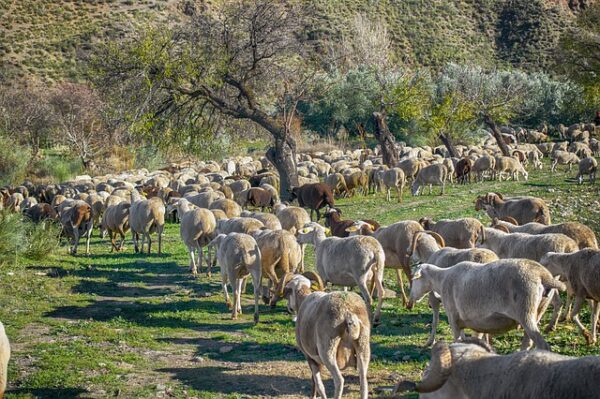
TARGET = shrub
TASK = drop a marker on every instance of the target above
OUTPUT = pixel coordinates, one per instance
(60, 168)
(14, 160)
(20, 238)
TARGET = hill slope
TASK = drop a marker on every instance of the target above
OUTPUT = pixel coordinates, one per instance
(45, 38)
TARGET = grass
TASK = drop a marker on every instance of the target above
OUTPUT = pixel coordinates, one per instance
(134, 326)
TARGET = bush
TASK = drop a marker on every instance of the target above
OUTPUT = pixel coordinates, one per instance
(14, 160)
(20, 238)
(60, 169)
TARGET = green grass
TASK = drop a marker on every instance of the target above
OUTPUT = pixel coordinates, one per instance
(134, 326)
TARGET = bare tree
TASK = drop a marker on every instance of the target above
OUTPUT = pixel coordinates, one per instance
(26, 114)
(245, 60)
(77, 109)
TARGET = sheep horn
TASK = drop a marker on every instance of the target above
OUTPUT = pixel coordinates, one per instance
(313, 276)
(413, 244)
(438, 238)
(283, 282)
(502, 228)
(510, 220)
(439, 369)
(482, 234)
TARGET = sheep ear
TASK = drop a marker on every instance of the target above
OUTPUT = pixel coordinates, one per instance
(352, 229)
(327, 231)
(417, 274)
(371, 227)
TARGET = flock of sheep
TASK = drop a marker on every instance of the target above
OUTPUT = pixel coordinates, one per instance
(489, 279)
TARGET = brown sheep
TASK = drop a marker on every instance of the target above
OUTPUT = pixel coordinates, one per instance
(523, 210)
(460, 233)
(313, 196)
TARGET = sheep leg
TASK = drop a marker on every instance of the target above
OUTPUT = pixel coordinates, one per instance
(557, 305)
(87, 240)
(363, 355)
(235, 287)
(575, 316)
(380, 294)
(193, 268)
(443, 188)
(430, 188)
(134, 238)
(224, 284)
(364, 290)
(401, 284)
(112, 236)
(595, 314)
(256, 279)
(434, 303)
(122, 234)
(399, 191)
(317, 381)
(160, 233)
(302, 249)
(566, 316)
(532, 332)
(149, 242)
(330, 362)
(142, 243)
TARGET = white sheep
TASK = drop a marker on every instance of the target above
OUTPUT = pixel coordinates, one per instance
(197, 229)
(145, 218)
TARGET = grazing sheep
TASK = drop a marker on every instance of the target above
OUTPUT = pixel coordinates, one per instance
(4, 358)
(238, 256)
(534, 158)
(259, 198)
(337, 184)
(313, 196)
(333, 330)
(40, 212)
(77, 222)
(410, 167)
(527, 246)
(115, 220)
(358, 180)
(523, 210)
(563, 158)
(492, 298)
(511, 166)
(463, 170)
(96, 202)
(395, 240)
(339, 227)
(197, 229)
(580, 233)
(582, 271)
(587, 166)
(238, 225)
(471, 369)
(394, 178)
(427, 248)
(350, 261)
(482, 165)
(280, 254)
(430, 175)
(230, 207)
(269, 220)
(145, 218)
(458, 233)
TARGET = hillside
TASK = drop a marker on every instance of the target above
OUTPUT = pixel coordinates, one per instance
(45, 38)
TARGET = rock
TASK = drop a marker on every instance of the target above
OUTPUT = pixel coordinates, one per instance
(389, 293)
(161, 387)
(225, 349)
(199, 359)
(206, 294)
(406, 358)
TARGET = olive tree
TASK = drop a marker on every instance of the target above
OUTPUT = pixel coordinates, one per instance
(244, 60)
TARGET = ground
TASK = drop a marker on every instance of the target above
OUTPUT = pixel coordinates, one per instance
(137, 326)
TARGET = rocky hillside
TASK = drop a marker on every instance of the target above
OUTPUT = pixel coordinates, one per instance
(45, 38)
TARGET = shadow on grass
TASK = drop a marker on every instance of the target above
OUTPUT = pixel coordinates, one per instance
(224, 380)
(49, 393)
(243, 352)
(176, 314)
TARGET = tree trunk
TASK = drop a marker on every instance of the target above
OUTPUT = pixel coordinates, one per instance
(386, 140)
(497, 135)
(449, 145)
(283, 157)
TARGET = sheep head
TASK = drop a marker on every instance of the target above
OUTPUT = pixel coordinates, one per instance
(420, 285)
(436, 374)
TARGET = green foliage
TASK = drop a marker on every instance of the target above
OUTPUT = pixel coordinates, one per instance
(14, 160)
(59, 167)
(19, 238)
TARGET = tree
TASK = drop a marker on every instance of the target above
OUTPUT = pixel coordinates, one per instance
(77, 109)
(245, 60)
(495, 96)
(578, 55)
(26, 115)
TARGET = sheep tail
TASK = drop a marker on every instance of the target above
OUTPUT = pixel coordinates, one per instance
(353, 326)
(550, 282)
